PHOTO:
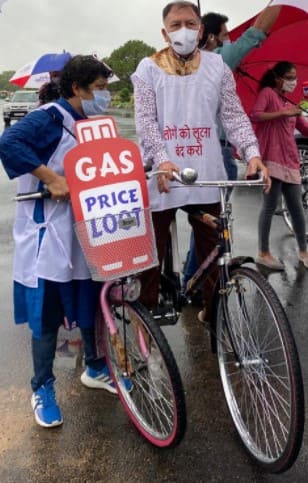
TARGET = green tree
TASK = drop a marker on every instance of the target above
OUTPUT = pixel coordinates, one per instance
(5, 85)
(124, 94)
(124, 60)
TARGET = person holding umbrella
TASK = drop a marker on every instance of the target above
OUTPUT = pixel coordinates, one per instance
(52, 283)
(50, 91)
(216, 39)
(276, 119)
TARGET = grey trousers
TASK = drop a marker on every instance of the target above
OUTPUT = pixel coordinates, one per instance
(292, 195)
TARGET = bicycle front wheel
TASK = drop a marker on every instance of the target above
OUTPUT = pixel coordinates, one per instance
(139, 353)
(260, 370)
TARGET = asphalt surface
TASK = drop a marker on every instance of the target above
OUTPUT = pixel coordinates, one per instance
(97, 442)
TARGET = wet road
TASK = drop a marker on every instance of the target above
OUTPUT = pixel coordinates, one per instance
(97, 443)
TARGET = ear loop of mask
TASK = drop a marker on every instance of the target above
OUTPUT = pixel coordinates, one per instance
(204, 46)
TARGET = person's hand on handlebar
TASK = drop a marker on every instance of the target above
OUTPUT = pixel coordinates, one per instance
(54, 182)
(163, 179)
(254, 165)
(59, 189)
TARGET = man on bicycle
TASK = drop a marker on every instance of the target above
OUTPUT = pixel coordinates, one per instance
(180, 92)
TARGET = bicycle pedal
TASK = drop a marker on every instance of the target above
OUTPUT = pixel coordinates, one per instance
(184, 300)
(165, 316)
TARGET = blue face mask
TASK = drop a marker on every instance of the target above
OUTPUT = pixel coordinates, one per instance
(97, 105)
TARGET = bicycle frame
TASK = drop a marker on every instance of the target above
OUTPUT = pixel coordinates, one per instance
(117, 292)
(220, 256)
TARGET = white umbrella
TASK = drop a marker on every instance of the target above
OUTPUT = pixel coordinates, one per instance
(113, 77)
(36, 81)
(301, 4)
(36, 73)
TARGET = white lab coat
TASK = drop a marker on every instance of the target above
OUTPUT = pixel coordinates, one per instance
(58, 257)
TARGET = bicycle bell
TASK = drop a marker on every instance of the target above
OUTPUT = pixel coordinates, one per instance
(189, 175)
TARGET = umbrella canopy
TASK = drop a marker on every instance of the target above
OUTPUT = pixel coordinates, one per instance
(287, 41)
(36, 73)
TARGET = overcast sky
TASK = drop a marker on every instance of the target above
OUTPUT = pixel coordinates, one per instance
(29, 28)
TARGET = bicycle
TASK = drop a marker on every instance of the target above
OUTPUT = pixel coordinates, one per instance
(257, 355)
(303, 153)
(135, 348)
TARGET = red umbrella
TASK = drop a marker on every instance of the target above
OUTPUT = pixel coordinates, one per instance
(288, 40)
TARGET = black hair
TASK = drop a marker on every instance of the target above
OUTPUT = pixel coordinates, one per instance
(49, 92)
(178, 5)
(279, 70)
(212, 23)
(82, 69)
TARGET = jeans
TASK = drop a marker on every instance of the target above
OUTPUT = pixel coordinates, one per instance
(292, 195)
(230, 166)
(44, 348)
(229, 162)
(191, 263)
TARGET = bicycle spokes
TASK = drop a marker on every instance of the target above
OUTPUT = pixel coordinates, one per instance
(262, 385)
(155, 403)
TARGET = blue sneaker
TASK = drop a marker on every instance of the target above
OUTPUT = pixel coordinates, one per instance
(127, 383)
(102, 380)
(46, 410)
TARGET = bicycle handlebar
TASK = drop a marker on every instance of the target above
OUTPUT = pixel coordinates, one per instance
(189, 177)
(34, 195)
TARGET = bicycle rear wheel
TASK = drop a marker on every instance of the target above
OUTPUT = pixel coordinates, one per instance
(156, 404)
(263, 386)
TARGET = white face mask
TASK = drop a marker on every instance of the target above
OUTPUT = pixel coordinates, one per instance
(97, 105)
(184, 41)
(289, 85)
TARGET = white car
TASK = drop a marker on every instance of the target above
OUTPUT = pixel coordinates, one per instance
(19, 105)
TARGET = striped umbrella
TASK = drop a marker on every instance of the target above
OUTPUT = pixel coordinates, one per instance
(36, 73)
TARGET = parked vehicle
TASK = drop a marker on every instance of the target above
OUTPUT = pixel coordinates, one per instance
(19, 105)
